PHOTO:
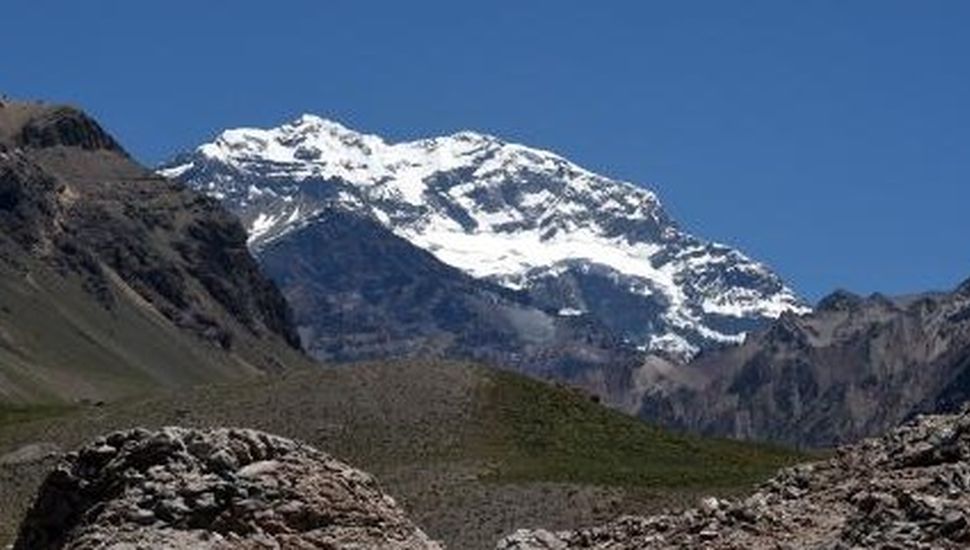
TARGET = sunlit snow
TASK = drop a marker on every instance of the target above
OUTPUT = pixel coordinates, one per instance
(493, 209)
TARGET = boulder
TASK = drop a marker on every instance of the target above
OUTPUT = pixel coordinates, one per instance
(211, 489)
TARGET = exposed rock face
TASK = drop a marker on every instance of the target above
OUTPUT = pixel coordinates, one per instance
(855, 367)
(93, 238)
(65, 126)
(28, 200)
(110, 207)
(909, 489)
(358, 291)
(220, 489)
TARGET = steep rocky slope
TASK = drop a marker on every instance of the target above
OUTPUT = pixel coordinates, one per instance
(114, 279)
(855, 367)
(361, 292)
(908, 489)
(579, 244)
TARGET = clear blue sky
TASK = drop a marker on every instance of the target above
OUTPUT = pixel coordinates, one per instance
(830, 139)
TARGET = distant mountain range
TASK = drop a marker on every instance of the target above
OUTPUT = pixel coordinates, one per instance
(469, 246)
(855, 367)
(114, 280)
(569, 242)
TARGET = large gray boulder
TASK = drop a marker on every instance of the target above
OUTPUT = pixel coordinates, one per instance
(218, 489)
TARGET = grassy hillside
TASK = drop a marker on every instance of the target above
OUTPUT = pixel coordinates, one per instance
(472, 453)
(554, 434)
(59, 345)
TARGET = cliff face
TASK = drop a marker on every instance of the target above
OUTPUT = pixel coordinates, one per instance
(95, 247)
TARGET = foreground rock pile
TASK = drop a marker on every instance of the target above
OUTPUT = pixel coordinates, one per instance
(219, 489)
(909, 489)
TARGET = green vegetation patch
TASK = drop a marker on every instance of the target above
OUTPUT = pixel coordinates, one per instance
(14, 414)
(546, 433)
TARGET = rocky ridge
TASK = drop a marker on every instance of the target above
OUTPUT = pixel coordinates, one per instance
(218, 489)
(908, 489)
(855, 367)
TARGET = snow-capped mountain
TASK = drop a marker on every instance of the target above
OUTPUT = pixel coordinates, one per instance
(577, 242)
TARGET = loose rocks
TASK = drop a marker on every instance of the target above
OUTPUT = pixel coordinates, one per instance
(908, 489)
(219, 489)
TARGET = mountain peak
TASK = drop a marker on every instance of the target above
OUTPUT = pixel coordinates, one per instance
(475, 137)
(964, 288)
(840, 300)
(519, 216)
(309, 123)
(40, 125)
(311, 119)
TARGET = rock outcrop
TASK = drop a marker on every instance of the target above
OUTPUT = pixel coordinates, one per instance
(227, 488)
(908, 489)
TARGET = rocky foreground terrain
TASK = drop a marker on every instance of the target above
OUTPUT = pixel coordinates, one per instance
(214, 489)
(908, 489)
(184, 488)
(471, 453)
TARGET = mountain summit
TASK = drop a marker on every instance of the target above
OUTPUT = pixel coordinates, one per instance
(578, 243)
